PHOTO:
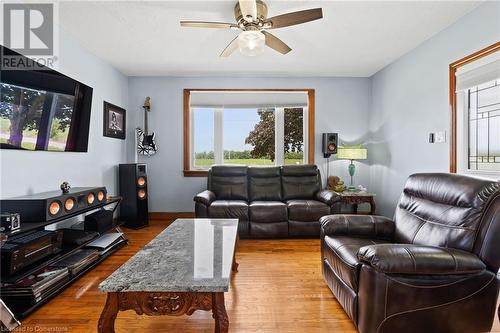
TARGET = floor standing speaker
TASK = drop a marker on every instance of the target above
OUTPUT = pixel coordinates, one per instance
(134, 190)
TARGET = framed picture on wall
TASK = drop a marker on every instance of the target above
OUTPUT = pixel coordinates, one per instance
(114, 125)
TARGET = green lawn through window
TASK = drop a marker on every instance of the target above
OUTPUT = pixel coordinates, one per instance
(250, 161)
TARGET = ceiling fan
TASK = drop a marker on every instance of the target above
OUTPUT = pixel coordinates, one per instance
(251, 19)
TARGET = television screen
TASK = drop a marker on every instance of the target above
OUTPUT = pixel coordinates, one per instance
(43, 110)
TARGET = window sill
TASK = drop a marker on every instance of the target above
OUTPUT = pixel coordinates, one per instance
(195, 173)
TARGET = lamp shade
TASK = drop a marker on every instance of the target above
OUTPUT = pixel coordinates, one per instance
(251, 43)
(352, 153)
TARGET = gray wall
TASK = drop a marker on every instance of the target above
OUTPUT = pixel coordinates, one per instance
(410, 99)
(24, 172)
(342, 106)
(392, 112)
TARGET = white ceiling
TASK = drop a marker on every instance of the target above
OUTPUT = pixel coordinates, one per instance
(143, 38)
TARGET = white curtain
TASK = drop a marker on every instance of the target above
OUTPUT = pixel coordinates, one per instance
(477, 72)
(247, 99)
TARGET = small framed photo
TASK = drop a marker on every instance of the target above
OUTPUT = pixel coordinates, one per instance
(114, 121)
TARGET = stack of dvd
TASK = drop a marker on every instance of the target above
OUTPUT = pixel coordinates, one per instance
(34, 288)
(107, 242)
(77, 261)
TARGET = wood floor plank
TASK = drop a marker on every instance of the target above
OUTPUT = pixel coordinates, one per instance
(278, 288)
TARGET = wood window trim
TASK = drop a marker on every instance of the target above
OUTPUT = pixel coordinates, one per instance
(454, 66)
(187, 128)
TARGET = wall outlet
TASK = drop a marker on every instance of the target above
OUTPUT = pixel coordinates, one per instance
(440, 137)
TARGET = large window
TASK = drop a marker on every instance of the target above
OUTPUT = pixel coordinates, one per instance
(247, 128)
(475, 101)
(484, 126)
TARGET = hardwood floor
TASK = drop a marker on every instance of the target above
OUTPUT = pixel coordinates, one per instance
(279, 288)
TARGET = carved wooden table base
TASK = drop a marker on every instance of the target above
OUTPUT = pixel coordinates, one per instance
(163, 303)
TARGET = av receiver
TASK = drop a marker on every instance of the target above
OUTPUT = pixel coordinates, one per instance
(48, 206)
(23, 251)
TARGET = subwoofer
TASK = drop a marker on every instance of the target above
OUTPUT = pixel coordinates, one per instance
(134, 191)
(330, 143)
(48, 206)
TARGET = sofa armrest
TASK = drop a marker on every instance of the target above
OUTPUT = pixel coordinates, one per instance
(327, 197)
(206, 197)
(372, 226)
(419, 259)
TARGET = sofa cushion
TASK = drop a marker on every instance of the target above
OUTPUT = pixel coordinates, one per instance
(264, 183)
(300, 181)
(341, 254)
(268, 211)
(303, 228)
(306, 210)
(236, 209)
(268, 229)
(228, 182)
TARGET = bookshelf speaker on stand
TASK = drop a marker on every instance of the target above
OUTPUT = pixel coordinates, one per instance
(134, 191)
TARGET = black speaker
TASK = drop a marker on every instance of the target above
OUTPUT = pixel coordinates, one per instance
(330, 143)
(134, 191)
(100, 221)
(52, 205)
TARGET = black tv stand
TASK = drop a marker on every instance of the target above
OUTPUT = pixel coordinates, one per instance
(26, 228)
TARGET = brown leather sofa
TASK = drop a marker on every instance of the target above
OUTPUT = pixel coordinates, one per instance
(268, 201)
(432, 268)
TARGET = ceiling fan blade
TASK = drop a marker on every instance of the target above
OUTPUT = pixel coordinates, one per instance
(202, 24)
(294, 18)
(275, 43)
(230, 48)
(248, 9)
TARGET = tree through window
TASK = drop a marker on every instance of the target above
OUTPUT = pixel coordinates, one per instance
(247, 127)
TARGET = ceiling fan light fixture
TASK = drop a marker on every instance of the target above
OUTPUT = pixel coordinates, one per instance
(251, 43)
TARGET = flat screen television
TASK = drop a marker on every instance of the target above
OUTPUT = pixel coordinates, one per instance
(43, 109)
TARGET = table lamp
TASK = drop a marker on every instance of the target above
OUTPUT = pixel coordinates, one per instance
(354, 152)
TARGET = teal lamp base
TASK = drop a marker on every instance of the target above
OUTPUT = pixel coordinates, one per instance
(351, 170)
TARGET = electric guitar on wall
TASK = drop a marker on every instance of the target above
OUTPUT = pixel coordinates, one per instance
(146, 144)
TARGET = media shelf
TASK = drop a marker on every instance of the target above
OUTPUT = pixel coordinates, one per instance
(28, 311)
(27, 228)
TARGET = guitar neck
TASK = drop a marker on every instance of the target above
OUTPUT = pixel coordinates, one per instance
(146, 121)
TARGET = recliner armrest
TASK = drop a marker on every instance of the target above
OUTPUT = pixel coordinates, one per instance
(206, 197)
(419, 259)
(372, 226)
(327, 197)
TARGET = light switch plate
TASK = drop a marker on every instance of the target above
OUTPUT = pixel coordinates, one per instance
(440, 137)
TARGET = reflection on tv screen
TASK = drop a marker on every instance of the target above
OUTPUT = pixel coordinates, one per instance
(34, 119)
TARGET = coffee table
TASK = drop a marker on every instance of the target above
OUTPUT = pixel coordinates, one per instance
(187, 267)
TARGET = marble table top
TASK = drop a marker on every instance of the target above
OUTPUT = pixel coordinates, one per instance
(189, 255)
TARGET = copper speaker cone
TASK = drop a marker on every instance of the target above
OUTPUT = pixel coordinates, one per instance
(54, 208)
(90, 198)
(141, 181)
(100, 196)
(141, 194)
(69, 204)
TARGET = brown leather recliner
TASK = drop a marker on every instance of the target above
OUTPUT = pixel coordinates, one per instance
(432, 268)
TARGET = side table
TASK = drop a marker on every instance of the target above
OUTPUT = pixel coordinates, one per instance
(356, 198)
